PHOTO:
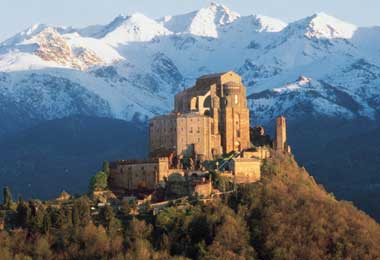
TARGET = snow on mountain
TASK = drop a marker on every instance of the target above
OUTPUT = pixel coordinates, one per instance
(261, 23)
(306, 97)
(45, 46)
(24, 35)
(132, 67)
(322, 25)
(134, 28)
(204, 22)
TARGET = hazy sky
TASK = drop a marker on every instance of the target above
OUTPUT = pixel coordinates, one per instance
(16, 15)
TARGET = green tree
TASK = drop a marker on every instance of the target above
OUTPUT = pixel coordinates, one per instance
(107, 215)
(99, 181)
(37, 216)
(81, 212)
(23, 214)
(58, 218)
(7, 198)
(46, 223)
(109, 219)
(106, 167)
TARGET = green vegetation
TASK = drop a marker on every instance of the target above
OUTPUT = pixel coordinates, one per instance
(286, 215)
(106, 167)
(7, 195)
(99, 181)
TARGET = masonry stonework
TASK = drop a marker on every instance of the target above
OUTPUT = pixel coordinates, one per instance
(209, 118)
(280, 139)
(133, 175)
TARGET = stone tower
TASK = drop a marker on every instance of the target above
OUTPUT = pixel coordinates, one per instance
(280, 140)
(234, 117)
(226, 102)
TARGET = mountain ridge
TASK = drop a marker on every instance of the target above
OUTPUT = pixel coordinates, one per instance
(145, 61)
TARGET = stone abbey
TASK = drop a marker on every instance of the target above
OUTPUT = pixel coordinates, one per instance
(210, 122)
(209, 119)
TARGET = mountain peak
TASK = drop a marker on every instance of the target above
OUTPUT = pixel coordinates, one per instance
(322, 25)
(218, 6)
(269, 24)
(203, 22)
(26, 34)
(131, 28)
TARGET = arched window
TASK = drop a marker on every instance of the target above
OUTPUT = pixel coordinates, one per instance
(207, 102)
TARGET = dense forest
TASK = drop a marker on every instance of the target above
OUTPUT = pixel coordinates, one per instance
(286, 215)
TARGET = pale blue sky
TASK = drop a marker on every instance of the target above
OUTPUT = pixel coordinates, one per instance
(16, 15)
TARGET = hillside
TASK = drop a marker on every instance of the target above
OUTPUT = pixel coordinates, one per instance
(292, 217)
(286, 215)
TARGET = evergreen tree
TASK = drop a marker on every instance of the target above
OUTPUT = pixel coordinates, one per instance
(81, 212)
(75, 215)
(46, 223)
(109, 219)
(99, 181)
(36, 216)
(107, 215)
(58, 218)
(23, 214)
(7, 198)
(106, 167)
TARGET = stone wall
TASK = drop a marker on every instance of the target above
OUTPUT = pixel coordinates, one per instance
(195, 137)
(131, 175)
(163, 135)
(210, 118)
(246, 170)
(203, 189)
(260, 153)
(280, 140)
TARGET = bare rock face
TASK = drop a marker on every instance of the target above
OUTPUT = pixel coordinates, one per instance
(53, 47)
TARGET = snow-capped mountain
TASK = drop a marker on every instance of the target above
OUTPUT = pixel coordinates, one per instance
(132, 67)
(205, 22)
(306, 97)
